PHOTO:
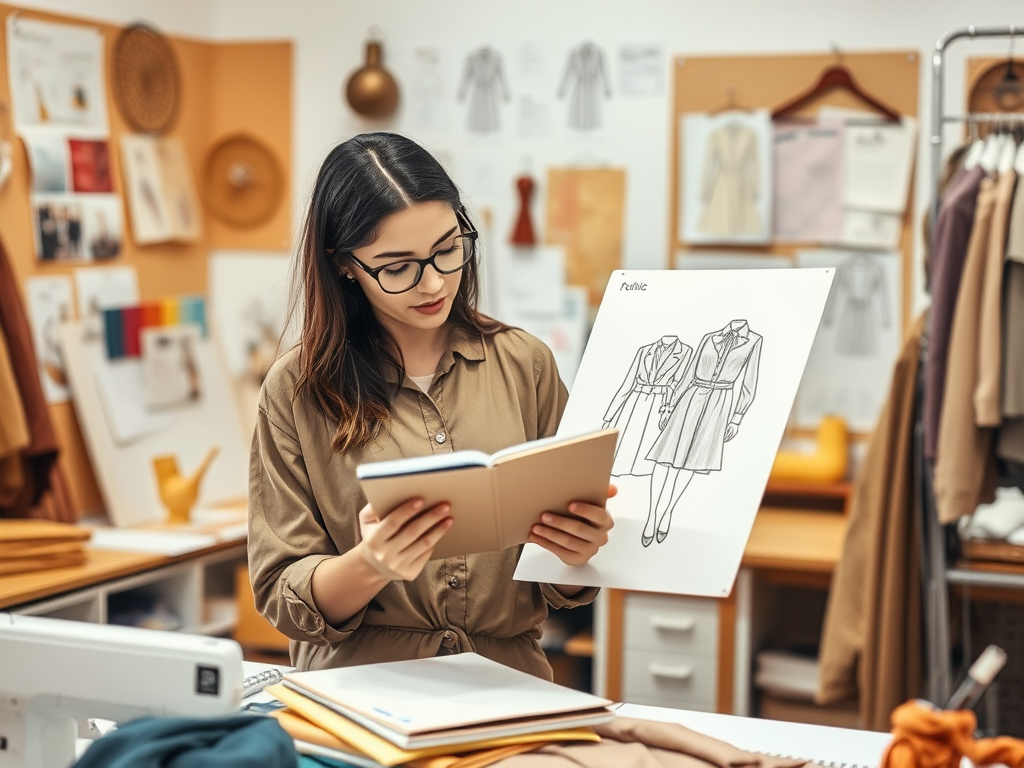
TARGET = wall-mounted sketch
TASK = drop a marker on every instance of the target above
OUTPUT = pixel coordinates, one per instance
(702, 416)
(727, 180)
(483, 82)
(427, 104)
(640, 402)
(698, 430)
(585, 81)
(858, 305)
(850, 364)
(49, 305)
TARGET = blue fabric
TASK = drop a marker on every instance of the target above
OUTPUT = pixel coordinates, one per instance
(318, 761)
(239, 741)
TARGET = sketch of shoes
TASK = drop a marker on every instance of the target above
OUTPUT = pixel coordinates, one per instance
(661, 536)
(646, 538)
(666, 523)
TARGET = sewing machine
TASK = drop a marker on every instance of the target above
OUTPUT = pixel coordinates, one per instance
(55, 672)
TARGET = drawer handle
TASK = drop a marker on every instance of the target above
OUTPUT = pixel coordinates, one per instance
(675, 673)
(674, 623)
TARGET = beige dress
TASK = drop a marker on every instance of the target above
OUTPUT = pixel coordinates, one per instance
(731, 183)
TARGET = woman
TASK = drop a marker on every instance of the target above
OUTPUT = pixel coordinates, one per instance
(394, 360)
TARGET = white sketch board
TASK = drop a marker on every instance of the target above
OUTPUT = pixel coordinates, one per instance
(727, 348)
(125, 469)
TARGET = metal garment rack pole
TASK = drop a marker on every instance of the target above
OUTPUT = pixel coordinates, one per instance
(935, 574)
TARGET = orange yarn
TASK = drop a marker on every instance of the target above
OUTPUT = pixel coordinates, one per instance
(930, 738)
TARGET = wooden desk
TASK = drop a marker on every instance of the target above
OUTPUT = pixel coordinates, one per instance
(786, 546)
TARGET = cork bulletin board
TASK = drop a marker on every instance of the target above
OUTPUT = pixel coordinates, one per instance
(225, 88)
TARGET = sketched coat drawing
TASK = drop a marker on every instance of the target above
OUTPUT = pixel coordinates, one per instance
(483, 79)
(585, 74)
(860, 303)
(703, 405)
(731, 183)
(636, 407)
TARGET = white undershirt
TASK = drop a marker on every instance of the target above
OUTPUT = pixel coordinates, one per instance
(423, 382)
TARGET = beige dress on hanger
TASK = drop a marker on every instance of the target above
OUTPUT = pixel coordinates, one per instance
(731, 183)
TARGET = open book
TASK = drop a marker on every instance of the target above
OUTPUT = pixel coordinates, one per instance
(448, 700)
(496, 498)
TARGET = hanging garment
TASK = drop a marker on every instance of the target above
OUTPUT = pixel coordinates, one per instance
(522, 232)
(731, 183)
(965, 461)
(14, 437)
(484, 80)
(859, 305)
(950, 237)
(987, 396)
(871, 639)
(585, 75)
(1010, 443)
(808, 181)
(41, 454)
(636, 407)
(703, 406)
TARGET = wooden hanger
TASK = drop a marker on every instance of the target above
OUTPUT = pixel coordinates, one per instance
(836, 76)
(730, 104)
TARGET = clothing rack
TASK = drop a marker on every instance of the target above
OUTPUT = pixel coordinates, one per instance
(937, 575)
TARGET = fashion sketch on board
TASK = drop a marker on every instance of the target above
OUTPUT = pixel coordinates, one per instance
(858, 305)
(703, 413)
(483, 82)
(585, 80)
(637, 405)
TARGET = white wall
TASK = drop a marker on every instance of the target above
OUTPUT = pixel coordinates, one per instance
(329, 36)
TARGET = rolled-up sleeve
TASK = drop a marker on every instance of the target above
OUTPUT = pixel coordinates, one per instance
(556, 599)
(287, 537)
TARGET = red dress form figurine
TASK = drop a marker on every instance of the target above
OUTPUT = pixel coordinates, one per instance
(523, 232)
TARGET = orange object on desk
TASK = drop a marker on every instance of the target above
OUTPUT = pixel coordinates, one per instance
(827, 463)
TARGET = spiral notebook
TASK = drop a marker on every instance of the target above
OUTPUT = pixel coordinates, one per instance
(825, 745)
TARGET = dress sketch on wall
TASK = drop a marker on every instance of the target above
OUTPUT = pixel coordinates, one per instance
(703, 413)
(858, 305)
(483, 82)
(638, 404)
(586, 81)
(731, 183)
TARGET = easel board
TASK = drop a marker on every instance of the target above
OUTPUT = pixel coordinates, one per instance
(125, 468)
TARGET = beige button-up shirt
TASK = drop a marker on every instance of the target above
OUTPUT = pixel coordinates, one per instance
(488, 393)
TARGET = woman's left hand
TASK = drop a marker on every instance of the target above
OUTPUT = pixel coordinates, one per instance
(575, 537)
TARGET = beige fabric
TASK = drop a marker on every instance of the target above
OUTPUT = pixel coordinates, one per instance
(304, 500)
(988, 401)
(731, 183)
(14, 437)
(646, 744)
(964, 467)
(871, 641)
(1010, 443)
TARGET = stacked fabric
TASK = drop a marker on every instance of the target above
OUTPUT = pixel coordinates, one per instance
(30, 545)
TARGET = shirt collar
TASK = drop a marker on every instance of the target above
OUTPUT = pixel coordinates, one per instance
(468, 345)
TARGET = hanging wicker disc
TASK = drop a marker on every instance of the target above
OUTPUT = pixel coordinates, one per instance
(242, 181)
(147, 83)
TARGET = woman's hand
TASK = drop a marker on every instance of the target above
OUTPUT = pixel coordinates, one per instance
(400, 545)
(575, 537)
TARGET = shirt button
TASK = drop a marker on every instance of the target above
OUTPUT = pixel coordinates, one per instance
(453, 582)
(440, 437)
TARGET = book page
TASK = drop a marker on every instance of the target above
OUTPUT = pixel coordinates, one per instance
(418, 464)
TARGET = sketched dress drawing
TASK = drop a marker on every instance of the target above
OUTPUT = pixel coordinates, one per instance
(585, 75)
(731, 183)
(636, 407)
(701, 416)
(483, 80)
(859, 305)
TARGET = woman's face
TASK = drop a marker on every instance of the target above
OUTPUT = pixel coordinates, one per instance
(417, 232)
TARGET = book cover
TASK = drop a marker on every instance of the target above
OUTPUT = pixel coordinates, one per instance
(495, 499)
(698, 371)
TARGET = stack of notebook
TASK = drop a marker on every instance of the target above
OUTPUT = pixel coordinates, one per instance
(31, 545)
(400, 712)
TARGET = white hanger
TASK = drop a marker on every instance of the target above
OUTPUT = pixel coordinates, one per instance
(973, 154)
(990, 156)
(1007, 155)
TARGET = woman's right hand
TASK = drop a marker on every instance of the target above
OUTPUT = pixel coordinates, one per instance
(402, 542)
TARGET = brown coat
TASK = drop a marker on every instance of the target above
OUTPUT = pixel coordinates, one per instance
(965, 473)
(871, 643)
(13, 430)
(488, 394)
(1010, 445)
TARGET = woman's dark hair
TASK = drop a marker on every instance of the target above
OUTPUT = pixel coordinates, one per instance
(350, 367)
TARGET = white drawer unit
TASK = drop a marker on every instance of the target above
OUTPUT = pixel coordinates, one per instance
(685, 681)
(672, 624)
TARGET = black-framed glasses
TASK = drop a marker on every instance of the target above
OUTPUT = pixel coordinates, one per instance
(403, 275)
